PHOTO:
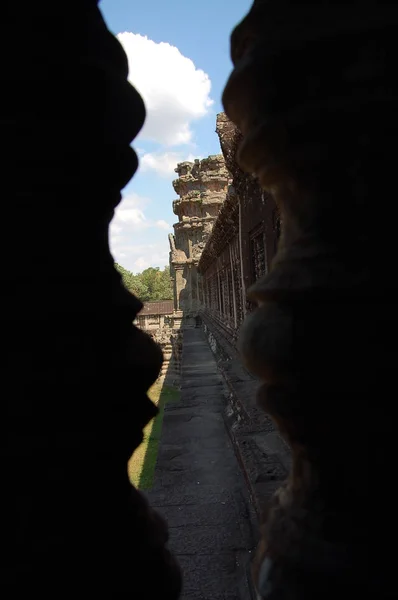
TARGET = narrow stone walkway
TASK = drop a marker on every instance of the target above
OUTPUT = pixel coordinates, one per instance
(199, 487)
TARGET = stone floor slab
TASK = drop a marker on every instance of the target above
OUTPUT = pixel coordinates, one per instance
(199, 487)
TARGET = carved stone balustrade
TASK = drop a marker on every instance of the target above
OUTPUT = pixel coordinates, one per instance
(75, 371)
(313, 93)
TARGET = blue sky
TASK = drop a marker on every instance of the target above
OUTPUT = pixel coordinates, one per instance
(179, 61)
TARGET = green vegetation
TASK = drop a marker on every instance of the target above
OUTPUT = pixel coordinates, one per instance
(142, 464)
(151, 285)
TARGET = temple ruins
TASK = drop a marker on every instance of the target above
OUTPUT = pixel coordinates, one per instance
(201, 186)
(221, 245)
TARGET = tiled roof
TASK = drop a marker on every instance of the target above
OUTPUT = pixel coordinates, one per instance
(166, 307)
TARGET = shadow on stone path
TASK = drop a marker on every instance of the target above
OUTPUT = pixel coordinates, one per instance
(199, 487)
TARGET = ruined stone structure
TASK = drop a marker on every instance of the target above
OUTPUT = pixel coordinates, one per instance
(155, 315)
(241, 245)
(159, 320)
(169, 339)
(239, 251)
(314, 93)
(201, 187)
(75, 370)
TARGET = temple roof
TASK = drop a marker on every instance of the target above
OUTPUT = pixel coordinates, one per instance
(165, 307)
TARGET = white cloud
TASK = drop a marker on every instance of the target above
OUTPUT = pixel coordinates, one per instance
(129, 216)
(163, 225)
(163, 163)
(175, 92)
(116, 228)
(155, 255)
(137, 257)
(130, 224)
(141, 264)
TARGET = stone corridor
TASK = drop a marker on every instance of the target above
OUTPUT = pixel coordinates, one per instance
(199, 487)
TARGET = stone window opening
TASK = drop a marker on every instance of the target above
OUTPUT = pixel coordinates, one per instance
(258, 253)
(276, 223)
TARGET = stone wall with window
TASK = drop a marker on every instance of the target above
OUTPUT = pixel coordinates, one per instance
(241, 245)
(240, 249)
(158, 319)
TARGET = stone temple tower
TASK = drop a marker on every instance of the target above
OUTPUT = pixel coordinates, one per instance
(202, 187)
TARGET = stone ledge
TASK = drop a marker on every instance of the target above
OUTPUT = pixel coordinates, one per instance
(262, 453)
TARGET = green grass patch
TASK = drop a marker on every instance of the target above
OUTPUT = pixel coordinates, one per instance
(141, 466)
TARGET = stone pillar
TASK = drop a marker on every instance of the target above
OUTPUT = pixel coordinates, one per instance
(75, 370)
(202, 187)
(233, 289)
(177, 319)
(175, 294)
(198, 290)
(189, 290)
(323, 340)
(180, 285)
